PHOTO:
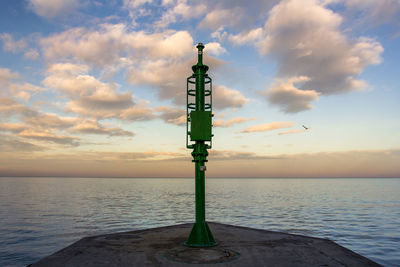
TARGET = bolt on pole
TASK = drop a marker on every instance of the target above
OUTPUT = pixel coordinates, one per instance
(199, 130)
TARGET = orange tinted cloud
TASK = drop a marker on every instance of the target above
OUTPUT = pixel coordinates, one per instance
(293, 131)
(369, 163)
(231, 122)
(268, 126)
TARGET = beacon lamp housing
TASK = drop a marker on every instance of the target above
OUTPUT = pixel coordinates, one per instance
(200, 126)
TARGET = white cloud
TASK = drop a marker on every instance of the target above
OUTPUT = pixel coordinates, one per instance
(12, 144)
(220, 34)
(137, 113)
(224, 97)
(88, 95)
(94, 127)
(374, 13)
(6, 75)
(113, 43)
(11, 45)
(161, 60)
(11, 108)
(172, 115)
(168, 75)
(68, 68)
(214, 48)
(23, 95)
(135, 3)
(289, 98)
(53, 8)
(268, 126)
(230, 122)
(181, 10)
(49, 121)
(12, 127)
(248, 37)
(50, 127)
(304, 38)
(48, 136)
(31, 54)
(235, 15)
(12, 86)
(223, 17)
(293, 131)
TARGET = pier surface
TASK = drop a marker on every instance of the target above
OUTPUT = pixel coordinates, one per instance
(237, 246)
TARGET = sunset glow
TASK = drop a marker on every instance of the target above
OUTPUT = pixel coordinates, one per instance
(97, 88)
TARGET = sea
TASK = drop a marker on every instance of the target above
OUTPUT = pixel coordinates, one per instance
(39, 216)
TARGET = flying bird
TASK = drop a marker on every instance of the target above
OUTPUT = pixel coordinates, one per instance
(305, 127)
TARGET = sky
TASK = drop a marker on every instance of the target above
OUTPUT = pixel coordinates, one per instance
(97, 88)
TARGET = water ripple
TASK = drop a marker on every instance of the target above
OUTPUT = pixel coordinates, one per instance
(39, 216)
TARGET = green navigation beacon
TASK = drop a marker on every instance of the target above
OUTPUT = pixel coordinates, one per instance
(198, 138)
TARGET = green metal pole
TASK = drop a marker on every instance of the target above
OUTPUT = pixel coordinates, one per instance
(200, 235)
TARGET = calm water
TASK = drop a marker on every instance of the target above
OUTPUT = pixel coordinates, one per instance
(39, 216)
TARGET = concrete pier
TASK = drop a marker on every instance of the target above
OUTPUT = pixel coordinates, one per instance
(237, 246)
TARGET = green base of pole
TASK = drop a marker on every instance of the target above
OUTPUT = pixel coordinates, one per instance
(200, 236)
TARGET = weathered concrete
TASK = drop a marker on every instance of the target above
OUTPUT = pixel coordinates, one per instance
(238, 246)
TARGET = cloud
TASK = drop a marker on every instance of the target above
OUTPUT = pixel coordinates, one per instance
(11, 45)
(137, 113)
(293, 131)
(367, 163)
(49, 120)
(53, 8)
(224, 97)
(6, 75)
(148, 155)
(290, 99)
(10, 108)
(168, 75)
(50, 127)
(68, 68)
(135, 3)
(236, 15)
(110, 44)
(379, 163)
(373, 13)
(180, 10)
(88, 95)
(222, 17)
(223, 155)
(102, 100)
(212, 14)
(214, 48)
(94, 127)
(231, 122)
(172, 115)
(12, 127)
(31, 54)
(10, 144)
(305, 39)
(23, 95)
(268, 126)
(177, 116)
(160, 60)
(248, 37)
(48, 136)
(12, 87)
(35, 125)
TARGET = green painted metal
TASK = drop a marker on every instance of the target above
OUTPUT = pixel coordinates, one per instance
(199, 113)
(200, 125)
